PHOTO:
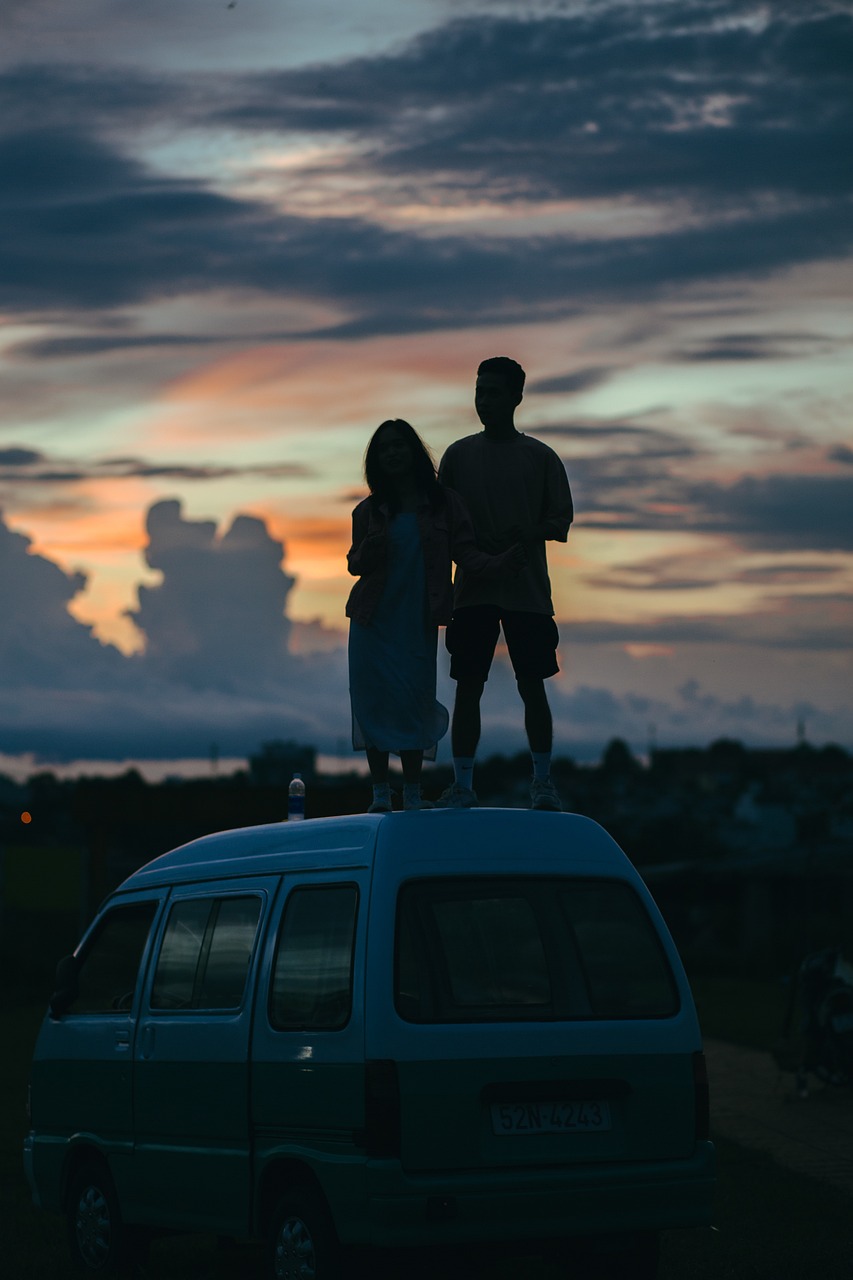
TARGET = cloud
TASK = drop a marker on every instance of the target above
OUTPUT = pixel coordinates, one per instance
(19, 465)
(40, 643)
(797, 512)
(218, 618)
(579, 380)
(751, 346)
(796, 624)
(219, 669)
(731, 131)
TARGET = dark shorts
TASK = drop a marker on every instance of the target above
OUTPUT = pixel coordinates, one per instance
(472, 635)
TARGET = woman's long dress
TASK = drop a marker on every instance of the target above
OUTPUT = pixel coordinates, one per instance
(392, 661)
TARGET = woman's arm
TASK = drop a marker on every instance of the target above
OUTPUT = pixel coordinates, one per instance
(369, 542)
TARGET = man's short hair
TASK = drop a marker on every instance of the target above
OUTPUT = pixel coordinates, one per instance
(506, 368)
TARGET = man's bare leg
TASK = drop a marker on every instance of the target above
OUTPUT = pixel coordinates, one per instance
(537, 714)
(540, 734)
(465, 731)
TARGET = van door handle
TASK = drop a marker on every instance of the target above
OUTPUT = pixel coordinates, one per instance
(122, 1044)
(146, 1047)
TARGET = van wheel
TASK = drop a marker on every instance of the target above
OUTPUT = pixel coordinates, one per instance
(96, 1233)
(303, 1243)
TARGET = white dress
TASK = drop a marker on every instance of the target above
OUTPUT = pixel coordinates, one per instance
(392, 660)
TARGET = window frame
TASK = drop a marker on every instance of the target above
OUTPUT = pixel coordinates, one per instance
(551, 920)
(90, 941)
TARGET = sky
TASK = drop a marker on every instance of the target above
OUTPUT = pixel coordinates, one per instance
(238, 236)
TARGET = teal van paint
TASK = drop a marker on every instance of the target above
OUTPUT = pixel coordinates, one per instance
(448, 1027)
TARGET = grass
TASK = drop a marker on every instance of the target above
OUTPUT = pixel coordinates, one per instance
(770, 1224)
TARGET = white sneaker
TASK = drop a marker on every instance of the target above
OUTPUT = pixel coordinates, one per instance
(381, 804)
(456, 797)
(543, 795)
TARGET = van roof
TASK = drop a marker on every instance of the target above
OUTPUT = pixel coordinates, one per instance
(438, 837)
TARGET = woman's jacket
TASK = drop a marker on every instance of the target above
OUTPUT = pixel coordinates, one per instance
(446, 535)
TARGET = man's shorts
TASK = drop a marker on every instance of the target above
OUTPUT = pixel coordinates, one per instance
(472, 635)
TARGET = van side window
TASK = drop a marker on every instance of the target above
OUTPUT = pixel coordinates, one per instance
(206, 952)
(312, 974)
(109, 966)
(502, 949)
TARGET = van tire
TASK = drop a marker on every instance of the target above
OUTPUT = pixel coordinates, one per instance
(303, 1245)
(97, 1237)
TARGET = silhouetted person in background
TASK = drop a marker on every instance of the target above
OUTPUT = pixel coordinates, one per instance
(516, 490)
(403, 539)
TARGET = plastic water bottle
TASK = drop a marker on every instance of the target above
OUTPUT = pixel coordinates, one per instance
(296, 799)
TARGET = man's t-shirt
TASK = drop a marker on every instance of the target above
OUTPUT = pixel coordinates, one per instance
(504, 484)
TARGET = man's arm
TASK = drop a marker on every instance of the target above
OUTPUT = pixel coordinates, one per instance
(559, 508)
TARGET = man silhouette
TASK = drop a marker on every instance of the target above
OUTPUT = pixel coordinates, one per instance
(516, 490)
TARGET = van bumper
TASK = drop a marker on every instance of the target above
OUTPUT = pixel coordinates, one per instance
(540, 1204)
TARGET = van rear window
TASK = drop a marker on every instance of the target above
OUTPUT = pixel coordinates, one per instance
(502, 949)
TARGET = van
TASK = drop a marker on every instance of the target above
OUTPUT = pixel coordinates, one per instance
(443, 1028)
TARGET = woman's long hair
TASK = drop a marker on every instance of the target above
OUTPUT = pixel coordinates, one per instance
(424, 468)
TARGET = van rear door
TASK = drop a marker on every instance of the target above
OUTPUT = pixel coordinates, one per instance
(539, 1023)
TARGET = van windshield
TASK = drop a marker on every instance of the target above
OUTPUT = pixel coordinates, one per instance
(500, 949)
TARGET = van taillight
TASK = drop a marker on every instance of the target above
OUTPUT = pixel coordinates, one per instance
(382, 1108)
(702, 1097)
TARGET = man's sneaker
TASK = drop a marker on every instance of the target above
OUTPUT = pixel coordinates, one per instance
(420, 803)
(382, 804)
(456, 797)
(543, 795)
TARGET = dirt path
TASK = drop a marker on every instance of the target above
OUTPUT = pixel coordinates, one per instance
(754, 1104)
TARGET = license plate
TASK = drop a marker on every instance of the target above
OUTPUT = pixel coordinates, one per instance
(550, 1117)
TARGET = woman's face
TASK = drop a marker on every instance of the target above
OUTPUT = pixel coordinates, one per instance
(393, 453)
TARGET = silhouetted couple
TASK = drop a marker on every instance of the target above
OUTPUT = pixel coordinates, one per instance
(498, 497)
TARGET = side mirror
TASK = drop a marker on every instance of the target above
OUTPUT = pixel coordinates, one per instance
(66, 986)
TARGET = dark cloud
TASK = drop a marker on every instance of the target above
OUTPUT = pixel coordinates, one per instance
(41, 644)
(95, 344)
(743, 124)
(17, 457)
(579, 380)
(841, 453)
(19, 465)
(797, 512)
(819, 624)
(633, 102)
(750, 346)
(218, 618)
(640, 488)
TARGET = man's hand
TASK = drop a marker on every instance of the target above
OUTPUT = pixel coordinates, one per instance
(515, 559)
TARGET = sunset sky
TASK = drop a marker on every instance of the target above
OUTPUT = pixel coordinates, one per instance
(236, 237)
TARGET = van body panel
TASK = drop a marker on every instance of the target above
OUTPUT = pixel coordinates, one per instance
(447, 1120)
(404, 1108)
(192, 1157)
(307, 1082)
(539, 1204)
(82, 1080)
(451, 1073)
(265, 850)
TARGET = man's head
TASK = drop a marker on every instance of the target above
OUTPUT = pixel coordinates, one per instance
(500, 387)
